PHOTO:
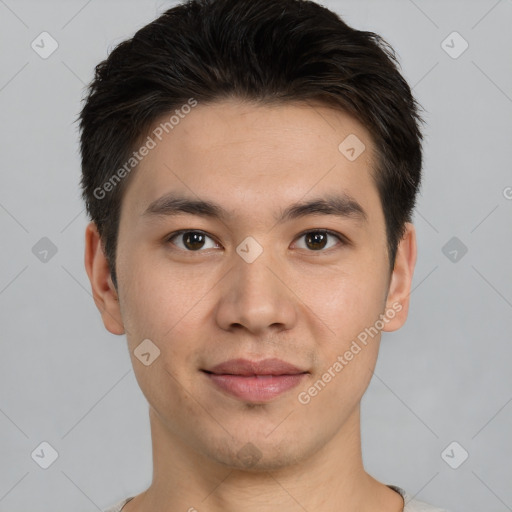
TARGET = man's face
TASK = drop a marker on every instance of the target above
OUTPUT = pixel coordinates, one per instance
(253, 285)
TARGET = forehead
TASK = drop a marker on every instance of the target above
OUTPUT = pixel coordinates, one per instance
(250, 157)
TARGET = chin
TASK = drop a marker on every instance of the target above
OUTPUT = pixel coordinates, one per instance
(259, 453)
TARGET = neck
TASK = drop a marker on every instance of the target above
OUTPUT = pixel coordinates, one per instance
(332, 478)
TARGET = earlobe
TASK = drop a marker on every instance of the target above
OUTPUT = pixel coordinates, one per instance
(103, 290)
(397, 303)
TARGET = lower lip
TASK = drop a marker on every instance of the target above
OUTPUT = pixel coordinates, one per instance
(256, 389)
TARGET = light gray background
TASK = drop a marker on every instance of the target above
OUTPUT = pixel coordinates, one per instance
(445, 376)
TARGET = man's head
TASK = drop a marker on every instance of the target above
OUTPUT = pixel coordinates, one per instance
(268, 52)
(267, 218)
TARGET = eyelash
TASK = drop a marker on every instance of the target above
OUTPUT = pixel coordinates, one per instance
(340, 238)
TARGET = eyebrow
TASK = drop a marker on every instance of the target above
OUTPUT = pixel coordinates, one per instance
(339, 205)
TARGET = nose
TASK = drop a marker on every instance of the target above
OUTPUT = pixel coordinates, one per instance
(257, 296)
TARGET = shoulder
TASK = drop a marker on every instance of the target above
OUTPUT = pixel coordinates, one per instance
(413, 505)
(118, 506)
(421, 506)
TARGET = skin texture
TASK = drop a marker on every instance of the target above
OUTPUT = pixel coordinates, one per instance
(295, 303)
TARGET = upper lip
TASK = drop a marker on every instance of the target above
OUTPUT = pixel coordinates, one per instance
(263, 367)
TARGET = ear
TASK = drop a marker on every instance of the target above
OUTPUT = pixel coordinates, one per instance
(397, 301)
(103, 290)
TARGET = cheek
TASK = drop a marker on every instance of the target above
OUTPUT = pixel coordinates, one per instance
(158, 296)
(161, 305)
(347, 303)
(351, 306)
(167, 307)
(349, 351)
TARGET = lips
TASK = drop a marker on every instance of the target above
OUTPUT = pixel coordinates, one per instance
(264, 367)
(255, 381)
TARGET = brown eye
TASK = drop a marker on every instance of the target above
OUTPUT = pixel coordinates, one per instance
(192, 241)
(317, 240)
